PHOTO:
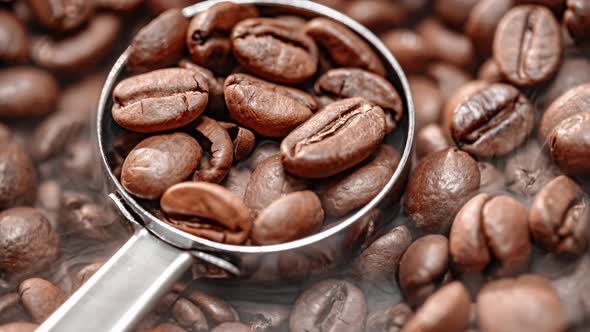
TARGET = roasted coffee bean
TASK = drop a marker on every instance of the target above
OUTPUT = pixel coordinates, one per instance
(10, 307)
(118, 5)
(390, 319)
(481, 24)
(188, 315)
(569, 145)
(61, 14)
(275, 50)
(18, 327)
(364, 231)
(27, 91)
(243, 139)
(490, 72)
(454, 12)
(428, 101)
(378, 264)
(491, 228)
(208, 34)
(339, 137)
(446, 45)
(559, 218)
(376, 15)
(526, 304)
(291, 217)
(221, 151)
(446, 310)
(297, 266)
(159, 100)
(529, 170)
(573, 71)
(330, 305)
(492, 180)
(86, 273)
(263, 317)
(358, 187)
(448, 77)
(14, 41)
(492, 121)
(431, 199)
(42, 245)
(216, 107)
(160, 43)
(263, 151)
(159, 6)
(268, 183)
(212, 203)
(572, 102)
(17, 176)
(409, 49)
(237, 180)
(268, 109)
(40, 298)
(430, 139)
(350, 82)
(424, 268)
(159, 162)
(86, 217)
(80, 50)
(577, 20)
(216, 309)
(527, 45)
(231, 327)
(74, 110)
(557, 6)
(344, 46)
(457, 99)
(167, 327)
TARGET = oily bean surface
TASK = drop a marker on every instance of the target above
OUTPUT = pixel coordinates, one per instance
(569, 145)
(61, 15)
(574, 101)
(14, 41)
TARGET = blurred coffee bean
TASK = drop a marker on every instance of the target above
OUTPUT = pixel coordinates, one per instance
(574, 101)
(86, 217)
(219, 145)
(557, 6)
(263, 317)
(231, 327)
(216, 309)
(10, 308)
(483, 19)
(431, 200)
(18, 327)
(448, 77)
(79, 159)
(528, 170)
(573, 72)
(377, 15)
(18, 180)
(424, 268)
(446, 310)
(27, 91)
(490, 72)
(528, 303)
(119, 5)
(14, 41)
(570, 145)
(559, 218)
(527, 45)
(62, 15)
(454, 12)
(378, 263)
(577, 20)
(159, 6)
(237, 180)
(188, 315)
(446, 45)
(263, 151)
(430, 139)
(329, 305)
(428, 101)
(40, 298)
(86, 273)
(574, 289)
(491, 228)
(158, 44)
(390, 319)
(492, 180)
(167, 327)
(49, 201)
(364, 231)
(409, 49)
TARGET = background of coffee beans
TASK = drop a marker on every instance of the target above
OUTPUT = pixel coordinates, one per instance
(494, 231)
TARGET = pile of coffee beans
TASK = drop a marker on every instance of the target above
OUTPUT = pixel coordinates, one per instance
(494, 227)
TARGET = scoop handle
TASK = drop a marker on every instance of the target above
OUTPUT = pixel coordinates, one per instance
(126, 288)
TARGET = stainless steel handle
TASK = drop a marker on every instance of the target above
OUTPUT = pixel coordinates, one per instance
(124, 289)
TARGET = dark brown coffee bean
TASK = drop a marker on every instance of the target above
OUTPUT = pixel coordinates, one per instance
(577, 20)
(557, 6)
(80, 50)
(158, 44)
(572, 102)
(268, 183)
(268, 109)
(493, 121)
(570, 145)
(159, 6)
(526, 304)
(431, 200)
(188, 315)
(428, 102)
(61, 14)
(339, 137)
(454, 12)
(159, 100)
(263, 151)
(275, 50)
(377, 265)
(330, 305)
(216, 107)
(41, 248)
(446, 310)
(231, 327)
(168, 327)
(344, 46)
(489, 228)
(40, 298)
(87, 218)
(481, 24)
(492, 180)
(573, 71)
(10, 308)
(448, 77)
(208, 34)
(359, 186)
(243, 139)
(18, 327)
(350, 82)
(17, 176)
(390, 319)
(263, 317)
(221, 151)
(527, 45)
(216, 309)
(446, 45)
(159, 162)
(376, 15)
(529, 170)
(14, 41)
(237, 180)
(409, 49)
(364, 231)
(430, 139)
(291, 217)
(559, 218)
(424, 268)
(210, 202)
(36, 94)
(490, 72)
(118, 5)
